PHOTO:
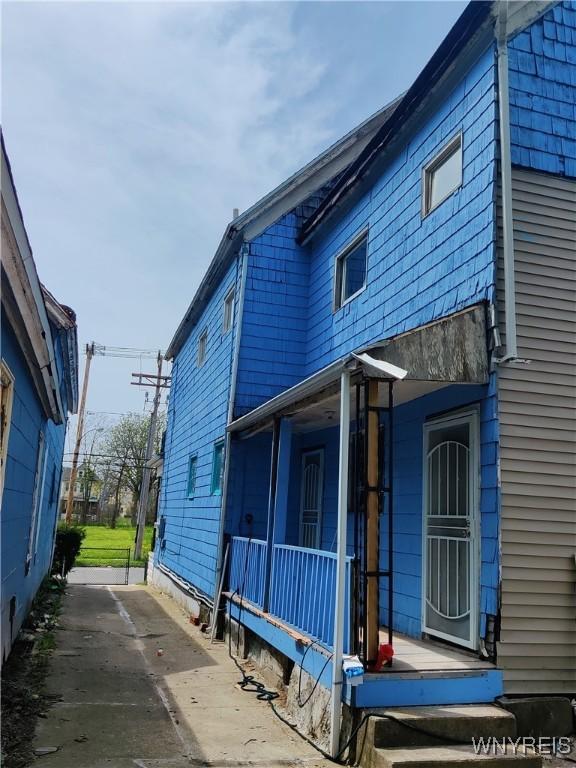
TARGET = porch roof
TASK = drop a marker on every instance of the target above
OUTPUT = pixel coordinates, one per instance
(321, 385)
(452, 350)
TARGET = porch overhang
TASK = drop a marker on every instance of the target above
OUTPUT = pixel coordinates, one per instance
(452, 350)
(319, 386)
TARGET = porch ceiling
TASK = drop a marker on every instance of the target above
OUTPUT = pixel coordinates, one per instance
(325, 413)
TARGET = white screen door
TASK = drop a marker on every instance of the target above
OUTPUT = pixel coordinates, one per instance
(450, 519)
(311, 498)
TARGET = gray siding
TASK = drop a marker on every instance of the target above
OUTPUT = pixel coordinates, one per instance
(537, 409)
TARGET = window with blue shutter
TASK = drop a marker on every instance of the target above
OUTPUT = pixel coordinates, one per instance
(217, 469)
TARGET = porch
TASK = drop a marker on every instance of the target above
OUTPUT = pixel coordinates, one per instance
(424, 671)
(331, 550)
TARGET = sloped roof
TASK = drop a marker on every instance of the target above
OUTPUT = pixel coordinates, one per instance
(273, 206)
(23, 300)
(473, 29)
(64, 318)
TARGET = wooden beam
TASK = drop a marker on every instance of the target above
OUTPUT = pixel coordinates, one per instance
(372, 525)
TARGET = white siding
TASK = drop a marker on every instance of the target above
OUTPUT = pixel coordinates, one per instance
(537, 407)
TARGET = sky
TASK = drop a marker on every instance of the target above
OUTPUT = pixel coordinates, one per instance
(135, 128)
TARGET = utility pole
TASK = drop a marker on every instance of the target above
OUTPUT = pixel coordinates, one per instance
(160, 383)
(79, 431)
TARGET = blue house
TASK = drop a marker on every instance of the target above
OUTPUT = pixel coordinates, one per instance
(371, 421)
(39, 370)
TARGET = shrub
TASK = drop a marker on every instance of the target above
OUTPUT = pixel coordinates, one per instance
(68, 543)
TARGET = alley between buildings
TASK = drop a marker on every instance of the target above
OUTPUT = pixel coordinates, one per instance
(141, 687)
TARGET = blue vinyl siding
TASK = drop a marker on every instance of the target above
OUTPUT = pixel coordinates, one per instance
(419, 268)
(249, 485)
(543, 93)
(27, 422)
(197, 416)
(275, 308)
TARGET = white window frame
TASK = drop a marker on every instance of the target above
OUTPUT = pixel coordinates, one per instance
(228, 312)
(7, 378)
(202, 348)
(216, 489)
(339, 267)
(37, 495)
(454, 145)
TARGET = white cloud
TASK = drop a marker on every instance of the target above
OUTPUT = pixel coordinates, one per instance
(134, 129)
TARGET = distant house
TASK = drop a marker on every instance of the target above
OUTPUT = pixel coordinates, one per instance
(87, 492)
(39, 369)
(373, 388)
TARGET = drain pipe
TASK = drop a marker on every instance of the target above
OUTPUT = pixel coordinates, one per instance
(506, 185)
(339, 605)
(230, 414)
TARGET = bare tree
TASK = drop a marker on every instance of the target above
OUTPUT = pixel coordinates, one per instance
(124, 447)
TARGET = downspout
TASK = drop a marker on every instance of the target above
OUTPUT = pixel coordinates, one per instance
(506, 186)
(340, 607)
(244, 250)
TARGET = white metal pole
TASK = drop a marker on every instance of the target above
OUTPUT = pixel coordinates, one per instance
(339, 603)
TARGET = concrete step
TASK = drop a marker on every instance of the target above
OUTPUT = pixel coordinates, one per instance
(456, 756)
(434, 725)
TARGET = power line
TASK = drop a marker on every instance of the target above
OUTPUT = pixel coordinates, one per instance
(124, 352)
(111, 413)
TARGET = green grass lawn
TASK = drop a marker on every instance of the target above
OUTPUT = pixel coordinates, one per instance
(112, 538)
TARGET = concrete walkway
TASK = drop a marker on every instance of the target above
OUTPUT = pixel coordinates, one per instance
(141, 687)
(107, 575)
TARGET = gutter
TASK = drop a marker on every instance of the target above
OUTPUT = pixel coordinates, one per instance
(231, 399)
(506, 186)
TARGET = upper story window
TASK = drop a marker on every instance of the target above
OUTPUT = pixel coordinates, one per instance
(217, 469)
(442, 176)
(351, 271)
(228, 314)
(202, 347)
(192, 464)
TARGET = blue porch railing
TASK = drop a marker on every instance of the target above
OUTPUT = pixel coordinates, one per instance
(247, 569)
(302, 588)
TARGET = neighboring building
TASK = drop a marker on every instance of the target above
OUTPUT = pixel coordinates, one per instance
(39, 388)
(87, 492)
(431, 254)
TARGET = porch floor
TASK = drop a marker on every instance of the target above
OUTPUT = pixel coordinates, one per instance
(412, 655)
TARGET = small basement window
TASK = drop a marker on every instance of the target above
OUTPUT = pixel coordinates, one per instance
(202, 346)
(351, 271)
(228, 316)
(442, 176)
(217, 469)
(192, 463)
